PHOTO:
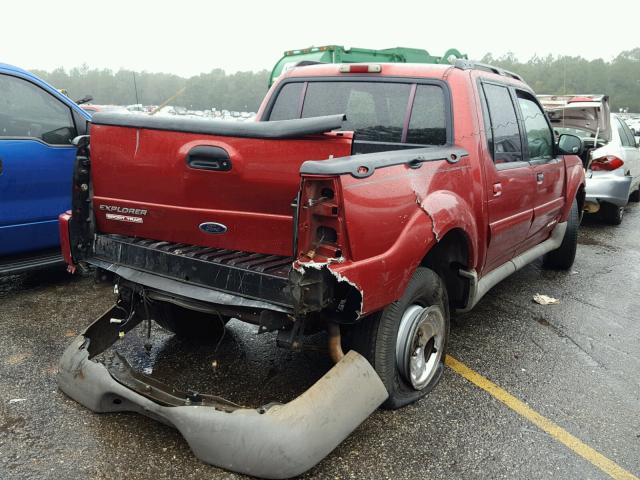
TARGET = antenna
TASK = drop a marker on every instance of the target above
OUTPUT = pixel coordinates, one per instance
(135, 87)
(166, 102)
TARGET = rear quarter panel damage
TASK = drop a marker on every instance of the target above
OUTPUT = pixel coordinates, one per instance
(395, 217)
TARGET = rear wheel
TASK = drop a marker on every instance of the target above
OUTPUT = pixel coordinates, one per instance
(563, 257)
(188, 323)
(635, 196)
(407, 341)
(612, 214)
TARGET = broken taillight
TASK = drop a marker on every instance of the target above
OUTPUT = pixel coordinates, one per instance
(606, 163)
(320, 220)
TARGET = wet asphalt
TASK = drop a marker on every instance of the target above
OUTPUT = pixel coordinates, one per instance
(577, 363)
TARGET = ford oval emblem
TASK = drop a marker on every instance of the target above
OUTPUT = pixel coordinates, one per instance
(213, 227)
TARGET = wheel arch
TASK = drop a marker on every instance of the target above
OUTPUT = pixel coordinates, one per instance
(581, 195)
(575, 187)
(447, 257)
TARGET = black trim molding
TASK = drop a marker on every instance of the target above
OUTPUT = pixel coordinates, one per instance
(269, 130)
(362, 166)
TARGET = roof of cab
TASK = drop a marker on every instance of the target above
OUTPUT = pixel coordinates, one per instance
(426, 70)
(388, 69)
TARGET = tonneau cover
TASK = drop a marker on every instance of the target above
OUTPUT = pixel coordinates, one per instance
(279, 129)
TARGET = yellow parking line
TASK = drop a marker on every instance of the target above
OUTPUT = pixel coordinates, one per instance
(557, 432)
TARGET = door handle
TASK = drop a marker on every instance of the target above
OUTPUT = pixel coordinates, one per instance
(540, 177)
(205, 157)
(497, 189)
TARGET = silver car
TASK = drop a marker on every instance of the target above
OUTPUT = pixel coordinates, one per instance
(611, 156)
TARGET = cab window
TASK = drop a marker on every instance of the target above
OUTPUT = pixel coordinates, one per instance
(538, 133)
(26, 110)
(375, 111)
(378, 112)
(504, 142)
(288, 102)
(428, 125)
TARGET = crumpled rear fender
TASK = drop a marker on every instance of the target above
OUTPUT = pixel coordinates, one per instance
(382, 279)
(610, 187)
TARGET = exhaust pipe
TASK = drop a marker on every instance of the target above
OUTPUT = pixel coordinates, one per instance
(335, 342)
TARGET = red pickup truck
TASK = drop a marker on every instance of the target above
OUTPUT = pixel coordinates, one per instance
(370, 200)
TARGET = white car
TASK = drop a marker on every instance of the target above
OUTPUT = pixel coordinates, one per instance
(611, 156)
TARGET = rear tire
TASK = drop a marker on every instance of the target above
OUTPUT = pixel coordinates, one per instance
(407, 341)
(187, 323)
(562, 258)
(612, 214)
(635, 196)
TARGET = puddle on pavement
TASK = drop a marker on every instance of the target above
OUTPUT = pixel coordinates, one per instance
(11, 424)
(41, 278)
(543, 321)
(248, 369)
(587, 240)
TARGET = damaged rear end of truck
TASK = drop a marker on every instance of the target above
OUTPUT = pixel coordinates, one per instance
(202, 217)
(301, 222)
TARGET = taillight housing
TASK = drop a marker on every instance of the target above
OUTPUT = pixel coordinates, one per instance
(606, 163)
(321, 233)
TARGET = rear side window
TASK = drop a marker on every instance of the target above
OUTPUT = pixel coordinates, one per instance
(26, 110)
(505, 145)
(539, 137)
(626, 136)
(375, 111)
(428, 124)
(287, 105)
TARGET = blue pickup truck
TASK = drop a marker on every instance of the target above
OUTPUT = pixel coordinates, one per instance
(37, 124)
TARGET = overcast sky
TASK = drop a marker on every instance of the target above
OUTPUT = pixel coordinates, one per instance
(189, 36)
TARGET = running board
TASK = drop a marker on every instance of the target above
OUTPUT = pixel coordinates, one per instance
(478, 288)
(15, 265)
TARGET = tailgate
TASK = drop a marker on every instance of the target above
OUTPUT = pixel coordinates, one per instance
(200, 182)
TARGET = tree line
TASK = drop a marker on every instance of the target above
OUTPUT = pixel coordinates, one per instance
(618, 78)
(243, 91)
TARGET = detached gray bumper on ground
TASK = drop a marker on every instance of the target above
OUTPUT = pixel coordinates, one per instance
(611, 187)
(274, 441)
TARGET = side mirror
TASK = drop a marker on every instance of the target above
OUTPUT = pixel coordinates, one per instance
(85, 99)
(570, 144)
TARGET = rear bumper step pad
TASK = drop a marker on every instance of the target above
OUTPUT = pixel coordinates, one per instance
(273, 441)
(251, 275)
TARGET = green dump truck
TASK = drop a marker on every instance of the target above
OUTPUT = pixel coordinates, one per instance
(340, 54)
